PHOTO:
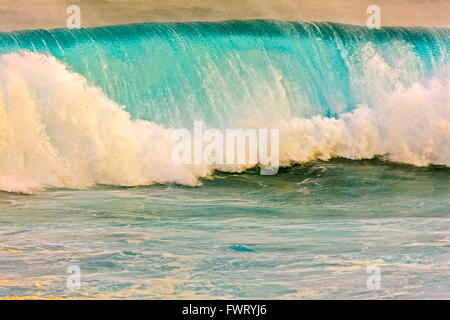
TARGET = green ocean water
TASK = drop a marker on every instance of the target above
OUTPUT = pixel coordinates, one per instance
(309, 232)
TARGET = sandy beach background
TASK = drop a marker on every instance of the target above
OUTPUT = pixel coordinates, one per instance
(48, 14)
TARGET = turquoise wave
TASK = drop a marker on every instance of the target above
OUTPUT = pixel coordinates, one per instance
(175, 73)
(100, 105)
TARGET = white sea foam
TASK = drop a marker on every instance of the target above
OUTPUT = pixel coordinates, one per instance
(411, 126)
(58, 131)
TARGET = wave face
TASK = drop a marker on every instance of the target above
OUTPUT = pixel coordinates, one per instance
(97, 106)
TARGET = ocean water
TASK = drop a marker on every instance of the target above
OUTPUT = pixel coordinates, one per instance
(86, 177)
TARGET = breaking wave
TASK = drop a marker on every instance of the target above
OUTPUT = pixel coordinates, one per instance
(98, 106)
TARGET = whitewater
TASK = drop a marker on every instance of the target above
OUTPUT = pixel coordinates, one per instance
(98, 106)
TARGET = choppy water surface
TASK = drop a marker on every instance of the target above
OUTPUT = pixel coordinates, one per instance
(309, 232)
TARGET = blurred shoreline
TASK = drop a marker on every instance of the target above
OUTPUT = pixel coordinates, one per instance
(49, 14)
